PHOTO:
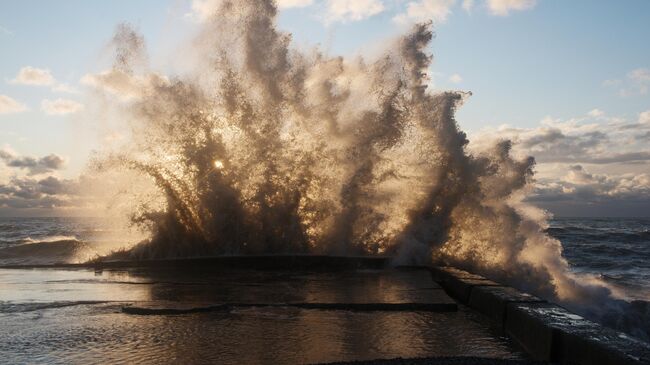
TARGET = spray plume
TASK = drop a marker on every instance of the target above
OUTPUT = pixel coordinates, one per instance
(261, 148)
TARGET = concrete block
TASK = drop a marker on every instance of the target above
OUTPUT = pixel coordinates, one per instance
(492, 301)
(530, 331)
(443, 273)
(601, 346)
(459, 283)
(551, 333)
(461, 289)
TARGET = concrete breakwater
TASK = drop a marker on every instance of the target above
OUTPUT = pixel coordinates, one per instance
(545, 330)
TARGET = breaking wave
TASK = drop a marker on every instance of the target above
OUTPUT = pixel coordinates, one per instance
(46, 239)
(47, 253)
(262, 148)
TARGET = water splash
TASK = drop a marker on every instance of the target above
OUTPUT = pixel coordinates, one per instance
(261, 148)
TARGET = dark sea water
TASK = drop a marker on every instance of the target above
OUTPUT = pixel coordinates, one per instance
(614, 249)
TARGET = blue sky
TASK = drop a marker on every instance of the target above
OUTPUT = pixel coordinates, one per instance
(531, 66)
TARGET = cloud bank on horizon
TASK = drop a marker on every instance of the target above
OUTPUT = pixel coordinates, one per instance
(594, 163)
(587, 162)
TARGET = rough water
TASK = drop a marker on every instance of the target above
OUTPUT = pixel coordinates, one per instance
(616, 250)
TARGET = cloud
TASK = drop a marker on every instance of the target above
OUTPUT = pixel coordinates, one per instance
(455, 79)
(423, 10)
(635, 83)
(60, 106)
(34, 76)
(580, 185)
(596, 113)
(504, 7)
(468, 5)
(33, 165)
(202, 10)
(29, 75)
(644, 117)
(9, 105)
(640, 80)
(49, 192)
(641, 75)
(352, 10)
(594, 138)
(284, 4)
(122, 84)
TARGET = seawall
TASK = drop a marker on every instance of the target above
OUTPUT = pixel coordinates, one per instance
(546, 331)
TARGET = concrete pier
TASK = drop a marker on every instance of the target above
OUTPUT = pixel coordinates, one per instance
(448, 315)
(356, 290)
(546, 331)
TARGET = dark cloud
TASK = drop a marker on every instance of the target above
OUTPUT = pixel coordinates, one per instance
(644, 137)
(606, 140)
(580, 192)
(50, 192)
(619, 157)
(552, 145)
(33, 165)
(545, 137)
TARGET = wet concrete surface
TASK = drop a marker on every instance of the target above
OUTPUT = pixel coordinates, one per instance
(199, 315)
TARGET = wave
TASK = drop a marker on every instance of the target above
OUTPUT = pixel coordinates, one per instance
(49, 239)
(47, 253)
(9, 307)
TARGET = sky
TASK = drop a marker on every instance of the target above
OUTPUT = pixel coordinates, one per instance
(567, 81)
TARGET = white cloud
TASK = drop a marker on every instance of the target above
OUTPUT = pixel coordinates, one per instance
(352, 10)
(468, 5)
(202, 10)
(639, 75)
(455, 79)
(635, 82)
(579, 185)
(640, 78)
(504, 7)
(596, 113)
(9, 105)
(422, 10)
(60, 106)
(29, 75)
(284, 4)
(644, 117)
(34, 76)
